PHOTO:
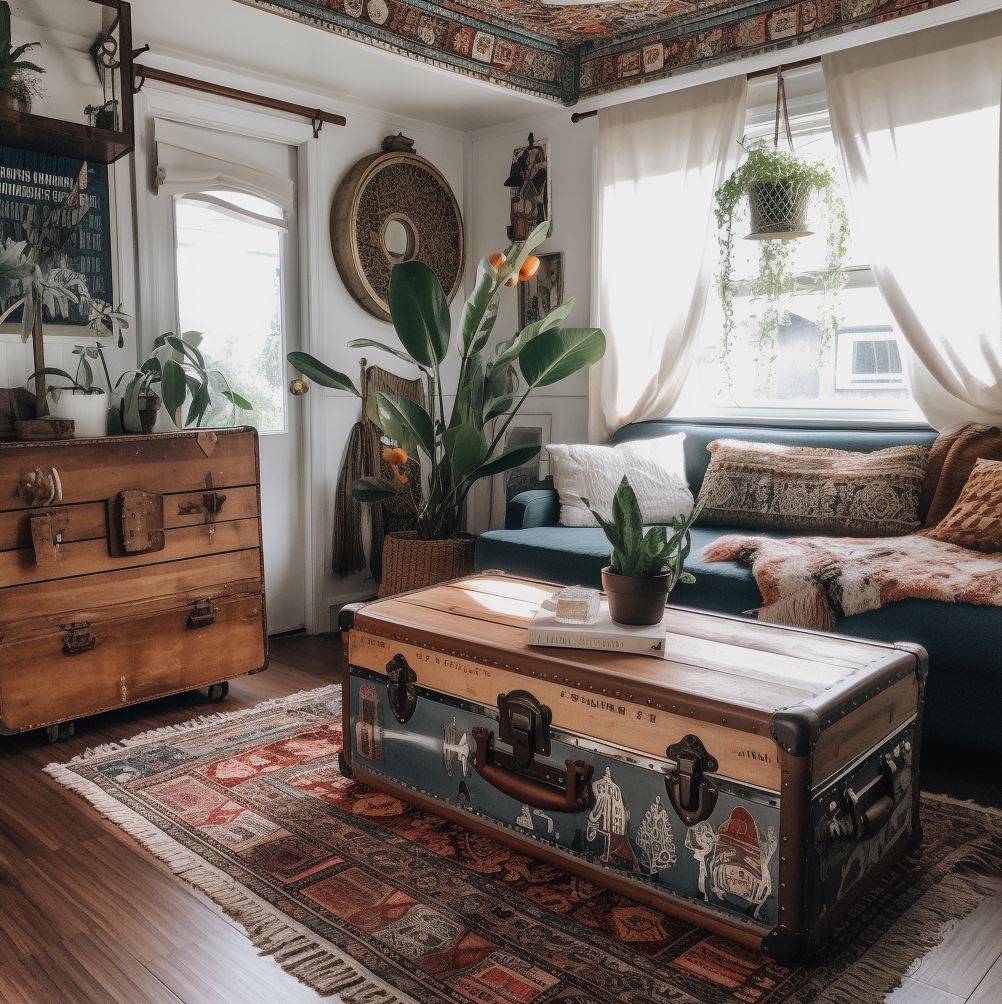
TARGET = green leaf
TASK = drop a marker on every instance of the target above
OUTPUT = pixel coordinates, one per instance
(192, 338)
(190, 352)
(687, 577)
(320, 373)
(555, 354)
(626, 515)
(520, 251)
(405, 421)
(513, 457)
(372, 490)
(175, 389)
(498, 406)
(235, 399)
(200, 401)
(480, 310)
(469, 408)
(419, 312)
(370, 343)
(465, 447)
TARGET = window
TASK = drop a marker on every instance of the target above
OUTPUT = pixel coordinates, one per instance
(229, 287)
(857, 374)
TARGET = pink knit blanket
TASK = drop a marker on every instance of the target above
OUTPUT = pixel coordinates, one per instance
(813, 582)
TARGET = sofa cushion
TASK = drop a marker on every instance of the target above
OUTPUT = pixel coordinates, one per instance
(587, 477)
(975, 521)
(699, 435)
(804, 489)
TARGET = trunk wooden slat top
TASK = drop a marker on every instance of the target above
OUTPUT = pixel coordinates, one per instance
(106, 602)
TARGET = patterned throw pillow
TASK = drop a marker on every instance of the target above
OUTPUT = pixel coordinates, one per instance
(975, 521)
(799, 489)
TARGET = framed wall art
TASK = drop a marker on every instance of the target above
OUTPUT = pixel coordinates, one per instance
(544, 291)
(529, 185)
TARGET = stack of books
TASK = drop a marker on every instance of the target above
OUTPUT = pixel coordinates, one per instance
(604, 635)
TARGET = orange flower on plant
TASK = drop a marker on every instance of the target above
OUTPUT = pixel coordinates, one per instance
(496, 259)
(396, 457)
(529, 268)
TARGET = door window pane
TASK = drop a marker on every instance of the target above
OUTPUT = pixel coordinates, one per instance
(229, 287)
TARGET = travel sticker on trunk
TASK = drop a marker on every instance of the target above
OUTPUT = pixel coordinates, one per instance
(608, 824)
(369, 724)
(656, 840)
(455, 751)
(734, 862)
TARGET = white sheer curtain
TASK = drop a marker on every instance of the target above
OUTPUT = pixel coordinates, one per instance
(659, 162)
(917, 119)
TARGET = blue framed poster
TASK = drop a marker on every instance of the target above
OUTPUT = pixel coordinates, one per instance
(34, 189)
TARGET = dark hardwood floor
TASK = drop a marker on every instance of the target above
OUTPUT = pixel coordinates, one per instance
(86, 915)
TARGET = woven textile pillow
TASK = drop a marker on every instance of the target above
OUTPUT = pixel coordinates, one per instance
(799, 489)
(655, 467)
(975, 521)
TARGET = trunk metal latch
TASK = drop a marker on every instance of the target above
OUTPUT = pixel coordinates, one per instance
(525, 726)
(692, 795)
(203, 613)
(401, 688)
(78, 638)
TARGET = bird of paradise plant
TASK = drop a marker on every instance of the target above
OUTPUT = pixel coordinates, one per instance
(493, 384)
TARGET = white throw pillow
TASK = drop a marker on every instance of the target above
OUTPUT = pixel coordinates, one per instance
(655, 468)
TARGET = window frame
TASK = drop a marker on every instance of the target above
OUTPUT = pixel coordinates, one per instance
(285, 242)
(808, 114)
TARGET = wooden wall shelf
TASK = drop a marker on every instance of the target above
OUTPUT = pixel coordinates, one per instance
(77, 139)
(67, 139)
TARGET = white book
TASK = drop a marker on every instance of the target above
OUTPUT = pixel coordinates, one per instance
(605, 635)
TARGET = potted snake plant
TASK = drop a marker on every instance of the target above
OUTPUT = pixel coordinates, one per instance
(459, 448)
(645, 565)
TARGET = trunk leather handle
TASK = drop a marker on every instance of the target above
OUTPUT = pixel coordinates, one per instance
(573, 795)
(873, 804)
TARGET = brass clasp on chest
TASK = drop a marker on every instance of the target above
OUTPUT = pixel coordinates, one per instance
(401, 688)
(691, 793)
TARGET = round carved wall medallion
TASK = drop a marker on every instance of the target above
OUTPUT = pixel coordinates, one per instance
(392, 207)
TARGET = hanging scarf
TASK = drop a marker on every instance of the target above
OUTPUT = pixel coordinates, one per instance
(363, 457)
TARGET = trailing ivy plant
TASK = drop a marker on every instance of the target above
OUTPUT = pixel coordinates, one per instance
(765, 164)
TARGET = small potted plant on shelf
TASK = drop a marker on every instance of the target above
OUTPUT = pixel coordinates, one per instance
(646, 565)
(18, 76)
(456, 451)
(775, 188)
(176, 369)
(80, 399)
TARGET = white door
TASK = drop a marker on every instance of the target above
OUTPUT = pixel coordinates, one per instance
(237, 276)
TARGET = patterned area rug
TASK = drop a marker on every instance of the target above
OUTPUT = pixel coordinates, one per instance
(357, 894)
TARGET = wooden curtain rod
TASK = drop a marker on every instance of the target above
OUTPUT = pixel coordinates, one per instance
(140, 74)
(813, 61)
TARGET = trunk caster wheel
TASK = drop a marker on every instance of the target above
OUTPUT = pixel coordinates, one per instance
(218, 691)
(57, 733)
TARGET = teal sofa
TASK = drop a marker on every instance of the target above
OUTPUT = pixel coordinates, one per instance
(964, 694)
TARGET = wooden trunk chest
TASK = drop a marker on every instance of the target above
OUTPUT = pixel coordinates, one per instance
(130, 568)
(755, 782)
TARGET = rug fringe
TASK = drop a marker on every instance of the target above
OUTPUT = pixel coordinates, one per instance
(308, 958)
(919, 929)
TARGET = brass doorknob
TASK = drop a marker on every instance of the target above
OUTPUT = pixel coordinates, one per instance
(299, 387)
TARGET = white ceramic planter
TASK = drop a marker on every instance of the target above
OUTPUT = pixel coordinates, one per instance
(88, 411)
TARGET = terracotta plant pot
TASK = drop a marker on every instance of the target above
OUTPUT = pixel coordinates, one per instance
(634, 600)
(410, 563)
(9, 103)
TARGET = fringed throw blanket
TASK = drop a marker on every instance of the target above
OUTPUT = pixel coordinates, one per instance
(363, 458)
(813, 582)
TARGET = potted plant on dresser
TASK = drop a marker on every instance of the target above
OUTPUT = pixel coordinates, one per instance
(456, 451)
(81, 399)
(645, 566)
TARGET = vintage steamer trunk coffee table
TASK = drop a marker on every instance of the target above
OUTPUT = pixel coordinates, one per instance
(755, 782)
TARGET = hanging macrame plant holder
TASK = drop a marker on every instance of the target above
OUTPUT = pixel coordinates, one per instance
(778, 209)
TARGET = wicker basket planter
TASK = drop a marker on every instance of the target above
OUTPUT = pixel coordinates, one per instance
(778, 210)
(410, 563)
